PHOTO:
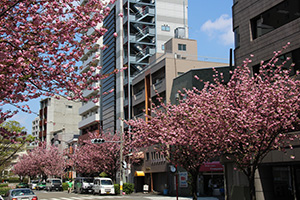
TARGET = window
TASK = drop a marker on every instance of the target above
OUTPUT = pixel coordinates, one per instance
(182, 47)
(236, 37)
(165, 27)
(275, 17)
(162, 47)
(294, 58)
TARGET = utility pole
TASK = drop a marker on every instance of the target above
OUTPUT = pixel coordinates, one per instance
(121, 162)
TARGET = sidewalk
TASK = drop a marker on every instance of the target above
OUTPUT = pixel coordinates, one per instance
(154, 196)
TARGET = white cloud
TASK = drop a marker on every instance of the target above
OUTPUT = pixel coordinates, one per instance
(221, 29)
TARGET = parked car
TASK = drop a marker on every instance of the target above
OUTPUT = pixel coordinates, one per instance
(103, 186)
(33, 184)
(53, 184)
(22, 185)
(41, 185)
(20, 193)
(83, 185)
(1, 198)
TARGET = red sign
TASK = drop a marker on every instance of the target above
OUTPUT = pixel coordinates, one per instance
(215, 166)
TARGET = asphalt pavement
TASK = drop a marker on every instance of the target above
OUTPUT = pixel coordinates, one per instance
(44, 195)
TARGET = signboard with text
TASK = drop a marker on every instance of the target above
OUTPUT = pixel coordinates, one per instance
(183, 178)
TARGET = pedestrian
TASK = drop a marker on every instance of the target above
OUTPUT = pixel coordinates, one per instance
(210, 187)
(70, 185)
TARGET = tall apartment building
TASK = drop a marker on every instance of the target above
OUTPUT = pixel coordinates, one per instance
(58, 121)
(142, 31)
(260, 28)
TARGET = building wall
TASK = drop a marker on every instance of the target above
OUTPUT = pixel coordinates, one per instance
(90, 111)
(35, 127)
(173, 13)
(109, 65)
(172, 66)
(61, 117)
(262, 47)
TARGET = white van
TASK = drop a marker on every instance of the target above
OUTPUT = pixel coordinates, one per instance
(83, 185)
(103, 186)
(53, 184)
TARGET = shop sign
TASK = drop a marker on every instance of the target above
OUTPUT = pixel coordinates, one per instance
(183, 178)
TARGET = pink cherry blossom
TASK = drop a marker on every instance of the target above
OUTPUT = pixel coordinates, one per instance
(242, 120)
(43, 161)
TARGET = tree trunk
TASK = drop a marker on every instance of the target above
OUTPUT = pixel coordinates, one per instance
(194, 176)
(251, 180)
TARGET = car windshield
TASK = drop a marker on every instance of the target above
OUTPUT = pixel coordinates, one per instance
(90, 180)
(21, 193)
(106, 182)
(56, 181)
(34, 181)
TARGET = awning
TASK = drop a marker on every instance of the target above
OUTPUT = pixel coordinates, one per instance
(139, 173)
(212, 167)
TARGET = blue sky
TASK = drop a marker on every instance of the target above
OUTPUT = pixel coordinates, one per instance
(209, 23)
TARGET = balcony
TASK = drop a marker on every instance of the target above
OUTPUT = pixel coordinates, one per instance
(138, 97)
(88, 106)
(140, 116)
(92, 57)
(87, 92)
(89, 120)
(125, 101)
(158, 87)
(92, 29)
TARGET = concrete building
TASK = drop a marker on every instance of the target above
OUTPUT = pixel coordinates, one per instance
(179, 57)
(260, 28)
(142, 31)
(90, 111)
(265, 26)
(35, 132)
(58, 121)
(35, 127)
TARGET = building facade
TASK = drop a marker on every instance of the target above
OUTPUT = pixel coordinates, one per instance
(180, 56)
(136, 30)
(260, 28)
(145, 27)
(58, 121)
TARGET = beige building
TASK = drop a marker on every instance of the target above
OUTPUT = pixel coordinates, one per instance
(180, 56)
(58, 121)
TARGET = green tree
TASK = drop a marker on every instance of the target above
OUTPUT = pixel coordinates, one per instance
(12, 142)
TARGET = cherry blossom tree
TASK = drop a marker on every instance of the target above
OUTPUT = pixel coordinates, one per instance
(41, 44)
(243, 120)
(43, 161)
(184, 133)
(257, 114)
(92, 158)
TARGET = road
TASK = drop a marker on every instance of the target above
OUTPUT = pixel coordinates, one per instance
(44, 195)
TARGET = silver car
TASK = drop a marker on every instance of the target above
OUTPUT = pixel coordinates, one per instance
(20, 194)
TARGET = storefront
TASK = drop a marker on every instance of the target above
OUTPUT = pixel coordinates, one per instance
(211, 180)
